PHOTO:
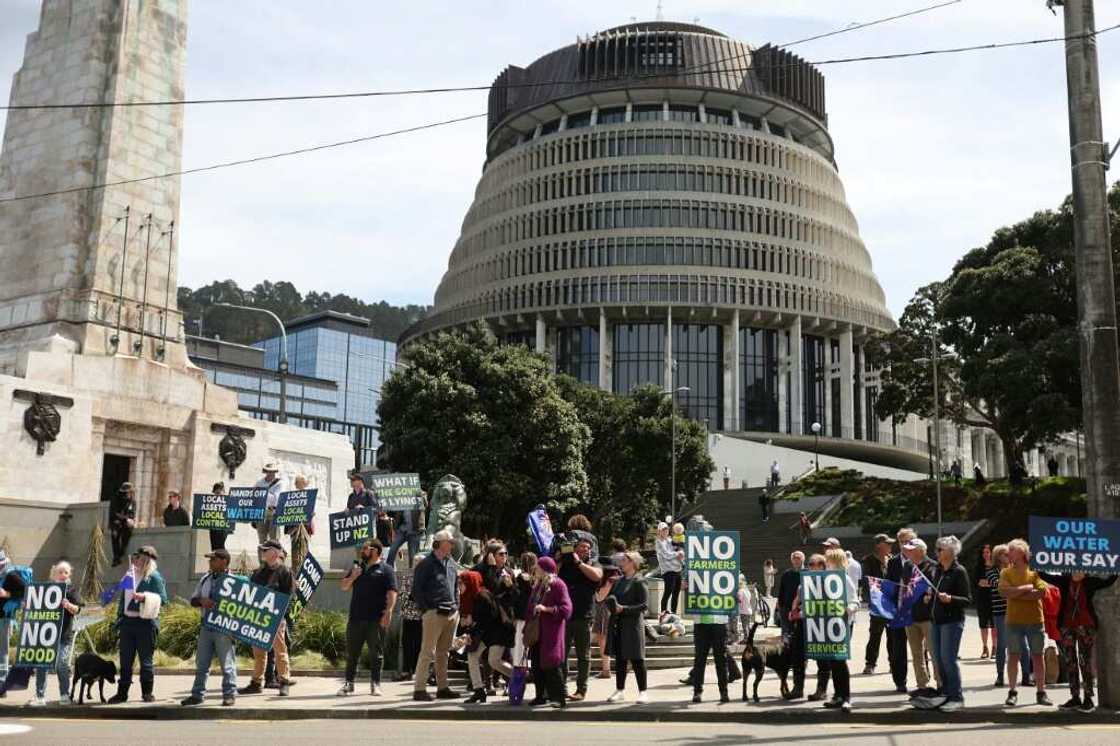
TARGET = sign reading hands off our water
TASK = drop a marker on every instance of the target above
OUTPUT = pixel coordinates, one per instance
(1064, 545)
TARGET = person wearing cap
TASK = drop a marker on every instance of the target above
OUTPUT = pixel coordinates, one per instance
(271, 481)
(874, 565)
(217, 535)
(273, 574)
(373, 588)
(175, 514)
(670, 560)
(138, 635)
(213, 643)
(919, 635)
(122, 519)
(897, 643)
(435, 589)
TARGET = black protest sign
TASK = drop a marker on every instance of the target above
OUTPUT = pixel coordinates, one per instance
(246, 504)
(41, 629)
(296, 507)
(307, 580)
(351, 527)
(210, 511)
(251, 613)
(396, 492)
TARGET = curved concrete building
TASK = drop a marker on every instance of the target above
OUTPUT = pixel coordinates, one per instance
(661, 204)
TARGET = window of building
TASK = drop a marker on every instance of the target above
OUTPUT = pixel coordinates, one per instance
(647, 113)
(698, 352)
(615, 115)
(549, 127)
(719, 116)
(857, 392)
(758, 379)
(576, 121)
(577, 353)
(684, 114)
(524, 338)
(639, 355)
(813, 370)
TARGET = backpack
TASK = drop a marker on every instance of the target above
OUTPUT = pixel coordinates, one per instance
(11, 605)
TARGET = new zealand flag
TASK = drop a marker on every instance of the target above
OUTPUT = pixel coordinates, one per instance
(895, 601)
(884, 597)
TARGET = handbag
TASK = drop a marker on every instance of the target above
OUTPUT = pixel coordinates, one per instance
(150, 606)
(531, 633)
(517, 685)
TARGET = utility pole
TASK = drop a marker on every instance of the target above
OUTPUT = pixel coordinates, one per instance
(1096, 308)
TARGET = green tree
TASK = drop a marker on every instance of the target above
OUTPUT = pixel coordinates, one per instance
(493, 416)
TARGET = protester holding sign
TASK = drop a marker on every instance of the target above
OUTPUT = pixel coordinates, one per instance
(275, 576)
(218, 535)
(951, 595)
(13, 585)
(301, 483)
(827, 601)
(1077, 622)
(143, 594)
(71, 605)
(213, 642)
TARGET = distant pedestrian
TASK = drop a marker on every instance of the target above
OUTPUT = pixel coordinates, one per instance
(956, 472)
(775, 474)
(805, 527)
(1052, 465)
(727, 477)
(175, 514)
(978, 476)
(122, 519)
(769, 573)
(764, 505)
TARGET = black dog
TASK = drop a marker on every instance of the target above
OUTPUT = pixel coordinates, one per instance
(757, 657)
(89, 668)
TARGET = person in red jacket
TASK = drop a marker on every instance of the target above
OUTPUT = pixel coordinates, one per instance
(1078, 623)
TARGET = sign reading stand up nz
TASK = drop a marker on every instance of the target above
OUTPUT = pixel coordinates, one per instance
(351, 527)
(1062, 545)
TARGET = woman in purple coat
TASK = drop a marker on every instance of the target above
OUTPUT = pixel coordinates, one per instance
(550, 603)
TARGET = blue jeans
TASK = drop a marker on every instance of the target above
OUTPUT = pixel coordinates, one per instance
(61, 667)
(946, 644)
(5, 631)
(210, 644)
(1002, 646)
(413, 540)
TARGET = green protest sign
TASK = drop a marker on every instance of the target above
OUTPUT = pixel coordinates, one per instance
(251, 613)
(210, 511)
(824, 607)
(712, 566)
(396, 492)
(295, 507)
(40, 629)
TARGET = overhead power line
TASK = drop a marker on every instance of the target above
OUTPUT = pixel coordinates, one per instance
(243, 161)
(458, 89)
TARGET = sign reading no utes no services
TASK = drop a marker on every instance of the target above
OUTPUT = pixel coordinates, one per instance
(712, 567)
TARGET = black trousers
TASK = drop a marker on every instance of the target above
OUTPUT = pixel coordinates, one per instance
(874, 637)
(412, 634)
(621, 667)
(896, 652)
(578, 632)
(218, 539)
(120, 536)
(671, 591)
(841, 678)
(137, 638)
(358, 635)
(709, 638)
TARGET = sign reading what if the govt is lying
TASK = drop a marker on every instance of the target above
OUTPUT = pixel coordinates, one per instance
(246, 504)
(1064, 545)
(712, 566)
(41, 629)
(295, 507)
(824, 606)
(251, 613)
(396, 492)
(351, 527)
(209, 511)
(307, 580)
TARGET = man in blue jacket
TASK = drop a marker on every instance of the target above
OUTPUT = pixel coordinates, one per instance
(435, 590)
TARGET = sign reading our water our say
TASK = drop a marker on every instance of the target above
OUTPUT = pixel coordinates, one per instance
(307, 580)
(351, 527)
(246, 504)
(296, 507)
(712, 565)
(251, 613)
(210, 511)
(824, 606)
(396, 492)
(1063, 545)
(41, 629)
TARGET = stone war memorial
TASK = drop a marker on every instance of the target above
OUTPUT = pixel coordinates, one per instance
(95, 386)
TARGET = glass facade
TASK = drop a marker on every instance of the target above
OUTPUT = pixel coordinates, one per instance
(639, 356)
(698, 352)
(758, 379)
(261, 391)
(577, 353)
(813, 371)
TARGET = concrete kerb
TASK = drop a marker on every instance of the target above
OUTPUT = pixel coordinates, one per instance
(682, 713)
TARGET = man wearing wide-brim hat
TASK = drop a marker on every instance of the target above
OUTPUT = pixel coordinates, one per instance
(270, 480)
(122, 519)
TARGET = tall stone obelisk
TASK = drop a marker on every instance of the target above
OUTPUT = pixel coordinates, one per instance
(62, 257)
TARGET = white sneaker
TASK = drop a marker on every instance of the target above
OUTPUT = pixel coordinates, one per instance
(618, 696)
(643, 698)
(65, 700)
(953, 705)
(346, 690)
(375, 690)
(845, 706)
(37, 701)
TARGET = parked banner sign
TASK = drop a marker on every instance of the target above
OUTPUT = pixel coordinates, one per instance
(41, 629)
(210, 511)
(1063, 545)
(351, 527)
(246, 504)
(396, 492)
(824, 606)
(307, 580)
(712, 567)
(296, 507)
(251, 613)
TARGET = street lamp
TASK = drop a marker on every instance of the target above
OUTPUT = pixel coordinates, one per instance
(816, 428)
(936, 425)
(283, 366)
(673, 479)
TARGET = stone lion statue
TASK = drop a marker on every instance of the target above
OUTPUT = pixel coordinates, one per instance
(448, 500)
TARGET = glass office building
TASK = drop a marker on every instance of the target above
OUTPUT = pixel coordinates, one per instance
(661, 204)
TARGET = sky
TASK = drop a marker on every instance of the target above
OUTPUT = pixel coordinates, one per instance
(935, 153)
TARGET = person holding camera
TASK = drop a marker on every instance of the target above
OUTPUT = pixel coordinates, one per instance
(627, 599)
(435, 589)
(582, 576)
(373, 585)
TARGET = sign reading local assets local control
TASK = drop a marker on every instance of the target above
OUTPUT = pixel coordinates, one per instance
(209, 511)
(1066, 544)
(246, 504)
(351, 527)
(396, 492)
(296, 507)
(41, 628)
(307, 580)
(712, 566)
(824, 606)
(251, 613)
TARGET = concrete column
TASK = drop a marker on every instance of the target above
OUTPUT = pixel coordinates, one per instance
(669, 383)
(732, 385)
(847, 384)
(796, 383)
(540, 340)
(605, 347)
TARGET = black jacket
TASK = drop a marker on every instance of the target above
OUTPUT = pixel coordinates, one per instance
(788, 584)
(278, 579)
(923, 610)
(953, 581)
(176, 516)
(873, 567)
(894, 567)
(1089, 587)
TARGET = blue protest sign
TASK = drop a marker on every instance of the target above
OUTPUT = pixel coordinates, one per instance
(40, 629)
(712, 567)
(824, 606)
(246, 504)
(296, 507)
(251, 613)
(210, 511)
(1063, 545)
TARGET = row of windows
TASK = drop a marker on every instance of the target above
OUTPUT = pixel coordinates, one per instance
(642, 178)
(657, 113)
(652, 139)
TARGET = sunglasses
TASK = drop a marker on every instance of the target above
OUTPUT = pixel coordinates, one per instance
(503, 553)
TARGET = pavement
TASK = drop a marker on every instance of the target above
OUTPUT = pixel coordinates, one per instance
(874, 701)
